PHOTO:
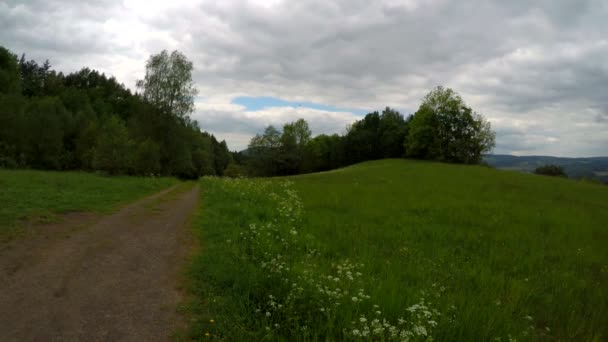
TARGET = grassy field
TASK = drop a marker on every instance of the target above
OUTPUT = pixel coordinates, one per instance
(40, 195)
(402, 250)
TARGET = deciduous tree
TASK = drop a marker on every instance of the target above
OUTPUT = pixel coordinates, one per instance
(168, 83)
(445, 129)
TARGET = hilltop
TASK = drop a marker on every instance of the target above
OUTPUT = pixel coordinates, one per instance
(398, 249)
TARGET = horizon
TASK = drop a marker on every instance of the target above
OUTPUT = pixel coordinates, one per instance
(537, 77)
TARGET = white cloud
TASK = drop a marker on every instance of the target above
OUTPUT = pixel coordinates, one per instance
(238, 125)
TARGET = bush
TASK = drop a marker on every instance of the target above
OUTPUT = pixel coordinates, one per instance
(234, 170)
(551, 170)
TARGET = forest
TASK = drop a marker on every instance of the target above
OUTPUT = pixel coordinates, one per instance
(89, 121)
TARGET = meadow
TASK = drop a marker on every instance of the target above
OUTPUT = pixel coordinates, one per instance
(42, 195)
(401, 250)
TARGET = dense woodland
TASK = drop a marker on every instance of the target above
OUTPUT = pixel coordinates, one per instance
(88, 121)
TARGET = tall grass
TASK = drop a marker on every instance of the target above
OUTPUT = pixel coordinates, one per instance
(401, 250)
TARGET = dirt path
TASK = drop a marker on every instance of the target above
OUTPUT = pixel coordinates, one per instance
(90, 278)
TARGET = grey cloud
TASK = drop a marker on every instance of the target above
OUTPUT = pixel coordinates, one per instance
(236, 121)
(538, 68)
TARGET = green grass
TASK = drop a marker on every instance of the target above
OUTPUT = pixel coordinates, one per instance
(41, 195)
(497, 254)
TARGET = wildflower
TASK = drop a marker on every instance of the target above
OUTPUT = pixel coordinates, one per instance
(207, 334)
(211, 321)
(420, 330)
(355, 299)
(363, 319)
(267, 314)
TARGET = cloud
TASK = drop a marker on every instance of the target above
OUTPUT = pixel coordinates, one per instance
(238, 125)
(535, 67)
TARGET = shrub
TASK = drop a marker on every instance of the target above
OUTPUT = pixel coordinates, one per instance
(234, 170)
(551, 170)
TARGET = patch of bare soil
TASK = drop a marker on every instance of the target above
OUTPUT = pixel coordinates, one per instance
(92, 278)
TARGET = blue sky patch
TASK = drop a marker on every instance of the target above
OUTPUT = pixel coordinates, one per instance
(254, 103)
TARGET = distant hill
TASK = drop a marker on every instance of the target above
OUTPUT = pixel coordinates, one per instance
(594, 167)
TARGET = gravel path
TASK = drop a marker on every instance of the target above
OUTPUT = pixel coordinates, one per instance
(92, 278)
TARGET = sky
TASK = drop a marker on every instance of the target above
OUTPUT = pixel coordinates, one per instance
(537, 70)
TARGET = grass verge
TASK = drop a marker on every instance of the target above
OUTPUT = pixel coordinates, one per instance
(41, 195)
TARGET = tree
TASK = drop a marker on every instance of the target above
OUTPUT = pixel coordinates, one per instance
(551, 170)
(113, 147)
(293, 140)
(146, 160)
(45, 121)
(202, 159)
(445, 129)
(168, 83)
(13, 131)
(86, 140)
(87, 120)
(362, 141)
(263, 152)
(392, 131)
(322, 153)
(222, 156)
(10, 82)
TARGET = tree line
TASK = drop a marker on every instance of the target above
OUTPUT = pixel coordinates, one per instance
(88, 121)
(443, 128)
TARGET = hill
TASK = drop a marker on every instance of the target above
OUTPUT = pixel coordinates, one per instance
(401, 249)
(595, 167)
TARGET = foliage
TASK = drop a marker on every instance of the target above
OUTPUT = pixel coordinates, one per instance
(35, 195)
(292, 143)
(88, 121)
(294, 151)
(263, 152)
(234, 170)
(9, 73)
(499, 255)
(445, 129)
(46, 119)
(113, 148)
(550, 170)
(147, 158)
(168, 83)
